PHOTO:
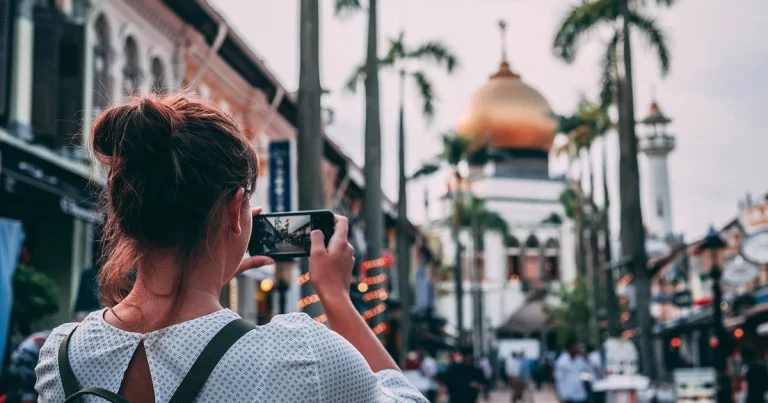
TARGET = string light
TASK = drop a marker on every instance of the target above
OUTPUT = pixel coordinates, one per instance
(738, 333)
(380, 294)
(266, 285)
(362, 287)
(380, 328)
(384, 261)
(675, 342)
(303, 278)
(308, 300)
(375, 279)
(322, 318)
(374, 311)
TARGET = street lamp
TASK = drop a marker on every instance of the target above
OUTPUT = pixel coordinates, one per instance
(714, 243)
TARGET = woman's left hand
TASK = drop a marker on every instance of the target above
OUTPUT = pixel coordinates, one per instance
(254, 262)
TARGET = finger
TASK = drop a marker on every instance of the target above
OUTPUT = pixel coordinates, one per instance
(256, 210)
(340, 229)
(254, 262)
(317, 240)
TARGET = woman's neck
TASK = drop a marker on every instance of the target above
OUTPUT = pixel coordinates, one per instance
(162, 296)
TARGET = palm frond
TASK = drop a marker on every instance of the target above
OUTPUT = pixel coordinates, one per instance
(358, 75)
(454, 148)
(346, 8)
(608, 69)
(427, 94)
(396, 51)
(427, 169)
(655, 38)
(578, 22)
(436, 52)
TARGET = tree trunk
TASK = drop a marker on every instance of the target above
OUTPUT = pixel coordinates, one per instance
(594, 252)
(612, 309)
(477, 314)
(310, 137)
(403, 237)
(372, 207)
(632, 232)
(457, 272)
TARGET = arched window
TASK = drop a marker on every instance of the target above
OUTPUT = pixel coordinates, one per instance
(101, 62)
(158, 77)
(513, 258)
(131, 69)
(552, 262)
(532, 243)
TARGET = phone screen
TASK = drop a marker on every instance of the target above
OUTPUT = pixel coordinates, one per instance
(287, 235)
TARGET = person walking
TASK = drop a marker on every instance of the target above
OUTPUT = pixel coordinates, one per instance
(180, 176)
(463, 379)
(429, 369)
(568, 375)
(514, 371)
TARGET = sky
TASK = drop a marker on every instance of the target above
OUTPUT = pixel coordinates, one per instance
(714, 93)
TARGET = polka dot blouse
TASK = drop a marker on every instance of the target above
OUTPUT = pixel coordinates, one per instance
(291, 359)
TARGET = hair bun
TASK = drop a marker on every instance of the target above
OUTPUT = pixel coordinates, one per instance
(139, 131)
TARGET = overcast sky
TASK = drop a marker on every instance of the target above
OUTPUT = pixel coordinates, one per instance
(715, 92)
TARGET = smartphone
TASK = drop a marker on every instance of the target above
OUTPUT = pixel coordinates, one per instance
(286, 235)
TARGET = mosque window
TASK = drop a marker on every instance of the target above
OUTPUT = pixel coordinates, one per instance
(101, 63)
(513, 267)
(131, 69)
(158, 76)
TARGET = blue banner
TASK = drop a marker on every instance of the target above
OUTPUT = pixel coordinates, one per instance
(280, 176)
(11, 238)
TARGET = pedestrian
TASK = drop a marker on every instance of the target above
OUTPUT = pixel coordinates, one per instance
(180, 175)
(514, 372)
(463, 379)
(429, 368)
(756, 376)
(568, 374)
(485, 365)
(413, 373)
(22, 369)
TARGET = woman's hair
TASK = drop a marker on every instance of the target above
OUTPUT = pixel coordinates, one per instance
(171, 163)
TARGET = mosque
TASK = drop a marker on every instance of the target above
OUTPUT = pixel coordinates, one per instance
(537, 253)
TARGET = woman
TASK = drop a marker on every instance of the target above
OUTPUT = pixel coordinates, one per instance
(178, 221)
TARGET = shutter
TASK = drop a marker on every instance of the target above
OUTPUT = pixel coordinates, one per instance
(5, 57)
(45, 88)
(71, 76)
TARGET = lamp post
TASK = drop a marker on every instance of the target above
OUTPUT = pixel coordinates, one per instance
(714, 243)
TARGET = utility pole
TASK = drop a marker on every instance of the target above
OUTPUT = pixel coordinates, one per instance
(403, 236)
(310, 136)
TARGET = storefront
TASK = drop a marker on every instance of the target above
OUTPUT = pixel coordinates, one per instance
(54, 199)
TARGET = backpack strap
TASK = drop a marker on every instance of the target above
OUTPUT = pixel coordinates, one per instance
(190, 386)
(195, 379)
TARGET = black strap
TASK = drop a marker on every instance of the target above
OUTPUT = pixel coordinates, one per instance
(100, 392)
(195, 379)
(190, 386)
(68, 379)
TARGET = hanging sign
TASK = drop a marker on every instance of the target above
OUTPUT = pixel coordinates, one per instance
(755, 218)
(280, 176)
(754, 248)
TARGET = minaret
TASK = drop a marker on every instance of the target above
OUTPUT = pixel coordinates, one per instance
(656, 143)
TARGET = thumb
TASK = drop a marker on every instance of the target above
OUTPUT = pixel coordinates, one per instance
(317, 239)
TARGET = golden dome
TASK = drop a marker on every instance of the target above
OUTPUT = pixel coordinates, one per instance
(508, 114)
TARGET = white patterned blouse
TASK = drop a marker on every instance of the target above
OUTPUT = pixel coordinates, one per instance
(291, 359)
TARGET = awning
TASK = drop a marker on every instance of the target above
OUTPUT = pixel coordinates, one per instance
(529, 318)
(41, 179)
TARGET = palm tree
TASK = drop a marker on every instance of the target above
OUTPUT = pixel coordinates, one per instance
(455, 151)
(310, 139)
(372, 213)
(402, 58)
(621, 16)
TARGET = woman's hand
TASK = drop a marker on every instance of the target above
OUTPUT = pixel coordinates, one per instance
(330, 269)
(254, 262)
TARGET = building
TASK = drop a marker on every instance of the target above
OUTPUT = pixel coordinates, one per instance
(516, 121)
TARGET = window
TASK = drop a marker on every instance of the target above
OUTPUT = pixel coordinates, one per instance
(513, 267)
(131, 69)
(101, 63)
(158, 77)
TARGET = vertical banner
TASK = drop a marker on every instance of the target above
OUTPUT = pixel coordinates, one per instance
(280, 197)
(11, 239)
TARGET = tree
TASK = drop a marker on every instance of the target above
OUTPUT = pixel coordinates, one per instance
(402, 58)
(373, 216)
(455, 151)
(310, 136)
(621, 16)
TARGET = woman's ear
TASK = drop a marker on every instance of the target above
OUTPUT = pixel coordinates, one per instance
(234, 210)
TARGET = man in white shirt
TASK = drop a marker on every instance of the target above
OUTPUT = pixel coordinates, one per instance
(429, 368)
(513, 367)
(568, 369)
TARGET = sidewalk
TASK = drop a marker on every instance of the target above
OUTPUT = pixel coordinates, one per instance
(504, 396)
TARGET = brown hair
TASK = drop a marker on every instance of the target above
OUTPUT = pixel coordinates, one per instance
(171, 164)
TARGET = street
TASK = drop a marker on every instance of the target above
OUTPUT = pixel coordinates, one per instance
(504, 395)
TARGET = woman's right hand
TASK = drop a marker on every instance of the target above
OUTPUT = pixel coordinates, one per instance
(330, 269)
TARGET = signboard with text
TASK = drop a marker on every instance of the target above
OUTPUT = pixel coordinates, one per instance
(280, 176)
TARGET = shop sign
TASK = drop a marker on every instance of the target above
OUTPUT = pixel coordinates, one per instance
(754, 248)
(280, 176)
(739, 272)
